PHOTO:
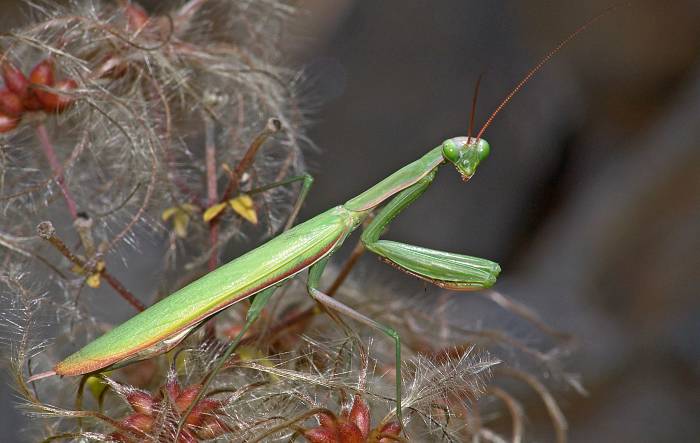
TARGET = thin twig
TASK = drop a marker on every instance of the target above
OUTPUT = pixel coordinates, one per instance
(56, 168)
(46, 231)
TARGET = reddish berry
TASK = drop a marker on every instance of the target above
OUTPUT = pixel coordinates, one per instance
(8, 123)
(10, 103)
(15, 80)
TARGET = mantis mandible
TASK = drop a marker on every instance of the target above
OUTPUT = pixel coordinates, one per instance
(308, 245)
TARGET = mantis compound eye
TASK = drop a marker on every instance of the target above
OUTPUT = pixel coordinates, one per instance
(451, 151)
(483, 149)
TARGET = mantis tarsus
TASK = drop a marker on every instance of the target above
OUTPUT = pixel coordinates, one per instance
(308, 245)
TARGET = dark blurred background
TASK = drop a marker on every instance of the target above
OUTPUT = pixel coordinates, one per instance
(591, 197)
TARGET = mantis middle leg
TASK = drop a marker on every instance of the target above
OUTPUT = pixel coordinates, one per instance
(326, 300)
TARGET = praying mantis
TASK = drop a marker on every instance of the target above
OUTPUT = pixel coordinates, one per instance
(309, 246)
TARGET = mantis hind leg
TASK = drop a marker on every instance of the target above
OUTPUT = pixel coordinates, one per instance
(329, 302)
(256, 307)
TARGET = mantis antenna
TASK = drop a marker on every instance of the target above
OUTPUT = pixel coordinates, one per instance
(543, 62)
(473, 113)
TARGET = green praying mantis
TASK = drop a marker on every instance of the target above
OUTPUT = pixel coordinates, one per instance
(308, 246)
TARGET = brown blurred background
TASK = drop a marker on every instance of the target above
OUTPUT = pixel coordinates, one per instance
(591, 197)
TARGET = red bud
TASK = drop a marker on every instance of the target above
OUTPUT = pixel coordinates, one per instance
(360, 416)
(186, 437)
(8, 123)
(182, 402)
(172, 386)
(31, 102)
(349, 433)
(10, 103)
(327, 420)
(393, 428)
(140, 402)
(43, 73)
(211, 428)
(321, 435)
(54, 101)
(141, 422)
(15, 80)
(137, 16)
(118, 436)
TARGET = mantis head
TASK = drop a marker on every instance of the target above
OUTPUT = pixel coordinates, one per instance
(465, 153)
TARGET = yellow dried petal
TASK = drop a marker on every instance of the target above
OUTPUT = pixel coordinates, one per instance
(213, 211)
(77, 269)
(189, 208)
(96, 385)
(94, 280)
(180, 223)
(249, 353)
(243, 206)
(168, 213)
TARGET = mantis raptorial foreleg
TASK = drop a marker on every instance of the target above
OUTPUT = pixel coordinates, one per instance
(445, 269)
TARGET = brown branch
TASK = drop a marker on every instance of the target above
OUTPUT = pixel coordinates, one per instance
(46, 231)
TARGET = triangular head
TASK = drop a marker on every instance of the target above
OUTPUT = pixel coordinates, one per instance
(465, 153)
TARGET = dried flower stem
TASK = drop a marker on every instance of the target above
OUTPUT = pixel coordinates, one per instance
(555, 413)
(212, 192)
(56, 168)
(46, 231)
(273, 126)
